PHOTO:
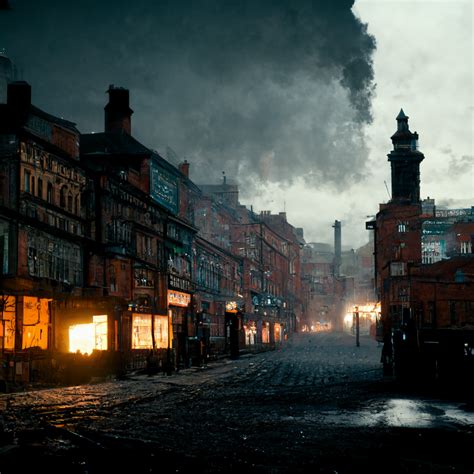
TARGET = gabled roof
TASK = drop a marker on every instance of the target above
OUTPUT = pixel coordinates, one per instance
(52, 118)
(112, 143)
(6, 118)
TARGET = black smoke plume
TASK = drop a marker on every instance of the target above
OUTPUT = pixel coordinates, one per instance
(263, 89)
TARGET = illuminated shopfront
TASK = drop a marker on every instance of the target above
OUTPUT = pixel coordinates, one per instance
(85, 338)
(142, 331)
(36, 320)
(7, 328)
(369, 314)
(265, 333)
(278, 332)
(250, 330)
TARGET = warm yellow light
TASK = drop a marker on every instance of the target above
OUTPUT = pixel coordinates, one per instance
(86, 338)
(348, 318)
(81, 338)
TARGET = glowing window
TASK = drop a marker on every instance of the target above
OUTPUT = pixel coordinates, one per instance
(85, 338)
(141, 331)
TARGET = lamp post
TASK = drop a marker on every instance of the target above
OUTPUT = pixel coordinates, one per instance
(357, 325)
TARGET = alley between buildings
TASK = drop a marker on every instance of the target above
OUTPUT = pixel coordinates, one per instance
(318, 404)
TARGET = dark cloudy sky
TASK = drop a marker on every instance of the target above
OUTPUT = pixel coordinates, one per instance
(275, 89)
(278, 94)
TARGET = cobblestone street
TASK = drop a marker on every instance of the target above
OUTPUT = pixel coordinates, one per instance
(317, 404)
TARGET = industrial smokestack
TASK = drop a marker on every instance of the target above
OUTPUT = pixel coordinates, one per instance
(337, 248)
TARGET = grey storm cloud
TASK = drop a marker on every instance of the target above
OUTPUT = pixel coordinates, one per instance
(267, 90)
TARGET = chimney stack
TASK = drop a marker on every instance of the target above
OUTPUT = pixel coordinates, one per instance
(184, 168)
(118, 112)
(19, 99)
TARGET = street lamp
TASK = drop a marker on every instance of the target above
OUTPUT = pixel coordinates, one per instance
(357, 325)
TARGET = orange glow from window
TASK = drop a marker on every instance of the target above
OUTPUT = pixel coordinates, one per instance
(86, 338)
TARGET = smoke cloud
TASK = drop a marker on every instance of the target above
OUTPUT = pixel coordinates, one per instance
(264, 90)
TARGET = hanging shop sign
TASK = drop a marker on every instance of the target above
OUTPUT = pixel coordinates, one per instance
(177, 298)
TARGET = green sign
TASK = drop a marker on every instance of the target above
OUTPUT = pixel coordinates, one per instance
(164, 187)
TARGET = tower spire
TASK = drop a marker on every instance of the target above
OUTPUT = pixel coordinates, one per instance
(405, 161)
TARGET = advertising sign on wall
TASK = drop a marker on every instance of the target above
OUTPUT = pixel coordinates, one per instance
(163, 187)
(178, 298)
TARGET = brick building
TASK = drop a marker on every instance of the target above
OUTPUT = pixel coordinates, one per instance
(112, 258)
(424, 276)
(43, 230)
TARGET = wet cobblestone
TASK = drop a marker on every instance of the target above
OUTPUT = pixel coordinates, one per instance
(317, 404)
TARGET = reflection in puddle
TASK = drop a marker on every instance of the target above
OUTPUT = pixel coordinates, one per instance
(399, 412)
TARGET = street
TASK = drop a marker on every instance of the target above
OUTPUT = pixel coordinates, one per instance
(317, 404)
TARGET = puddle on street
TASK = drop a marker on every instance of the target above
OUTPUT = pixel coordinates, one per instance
(399, 412)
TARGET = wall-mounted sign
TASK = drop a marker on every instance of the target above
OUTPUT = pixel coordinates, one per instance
(163, 187)
(180, 283)
(177, 298)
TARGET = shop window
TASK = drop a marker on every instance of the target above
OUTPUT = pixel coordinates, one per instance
(141, 331)
(85, 338)
(7, 322)
(266, 333)
(161, 332)
(250, 334)
(277, 332)
(35, 322)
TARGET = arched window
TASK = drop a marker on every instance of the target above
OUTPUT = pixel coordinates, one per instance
(62, 197)
(69, 202)
(49, 195)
